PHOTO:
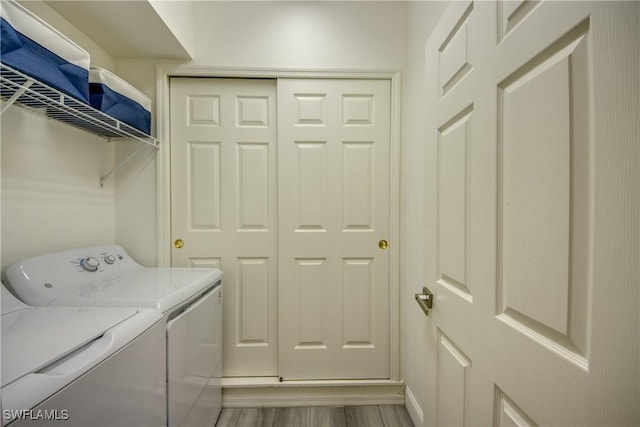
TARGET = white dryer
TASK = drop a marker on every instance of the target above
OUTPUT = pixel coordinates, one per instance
(190, 300)
(74, 366)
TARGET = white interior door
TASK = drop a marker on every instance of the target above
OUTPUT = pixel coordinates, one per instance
(224, 206)
(333, 181)
(532, 214)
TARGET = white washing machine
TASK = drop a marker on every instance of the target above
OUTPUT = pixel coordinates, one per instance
(75, 366)
(190, 300)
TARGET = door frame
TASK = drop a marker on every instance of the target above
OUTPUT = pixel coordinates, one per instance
(163, 167)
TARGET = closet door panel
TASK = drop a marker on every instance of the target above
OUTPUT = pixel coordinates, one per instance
(333, 181)
(224, 206)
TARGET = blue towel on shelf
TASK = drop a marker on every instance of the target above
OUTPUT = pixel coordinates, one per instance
(120, 107)
(23, 54)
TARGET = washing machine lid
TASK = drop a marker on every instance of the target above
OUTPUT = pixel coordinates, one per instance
(46, 349)
(159, 288)
(33, 338)
(9, 302)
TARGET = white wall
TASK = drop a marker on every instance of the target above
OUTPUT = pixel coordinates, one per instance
(51, 197)
(179, 16)
(136, 191)
(301, 35)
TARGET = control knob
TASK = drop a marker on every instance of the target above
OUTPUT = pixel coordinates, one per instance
(109, 259)
(89, 264)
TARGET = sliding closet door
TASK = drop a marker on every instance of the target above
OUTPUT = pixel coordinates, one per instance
(333, 183)
(305, 259)
(224, 206)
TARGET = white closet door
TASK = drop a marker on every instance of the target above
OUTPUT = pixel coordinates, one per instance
(224, 206)
(533, 214)
(333, 180)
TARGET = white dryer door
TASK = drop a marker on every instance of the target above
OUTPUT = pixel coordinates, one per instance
(191, 355)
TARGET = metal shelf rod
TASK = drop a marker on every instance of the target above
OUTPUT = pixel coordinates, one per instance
(9, 102)
(104, 177)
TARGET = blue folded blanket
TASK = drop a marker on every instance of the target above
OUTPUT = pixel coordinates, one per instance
(118, 106)
(117, 98)
(23, 54)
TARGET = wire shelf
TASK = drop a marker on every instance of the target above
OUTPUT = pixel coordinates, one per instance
(16, 87)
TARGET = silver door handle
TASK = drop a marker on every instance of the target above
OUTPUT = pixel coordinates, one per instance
(425, 300)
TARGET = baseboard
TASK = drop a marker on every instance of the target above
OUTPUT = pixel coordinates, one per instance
(413, 407)
(269, 392)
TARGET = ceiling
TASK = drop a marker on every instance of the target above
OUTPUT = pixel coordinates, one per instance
(129, 29)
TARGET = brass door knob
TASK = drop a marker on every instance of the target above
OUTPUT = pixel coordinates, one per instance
(178, 243)
(382, 244)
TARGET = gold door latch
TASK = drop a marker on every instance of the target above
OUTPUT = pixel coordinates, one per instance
(382, 244)
(178, 244)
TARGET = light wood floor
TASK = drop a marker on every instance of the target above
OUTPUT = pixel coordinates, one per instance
(317, 416)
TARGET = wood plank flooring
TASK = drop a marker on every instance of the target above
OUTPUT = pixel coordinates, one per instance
(317, 416)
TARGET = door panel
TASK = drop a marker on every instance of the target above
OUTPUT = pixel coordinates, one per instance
(543, 185)
(224, 206)
(452, 386)
(453, 146)
(333, 177)
(528, 214)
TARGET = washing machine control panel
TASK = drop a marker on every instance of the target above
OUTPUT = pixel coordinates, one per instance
(102, 261)
(40, 279)
(95, 262)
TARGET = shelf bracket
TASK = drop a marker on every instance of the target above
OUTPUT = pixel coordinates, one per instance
(17, 94)
(103, 178)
